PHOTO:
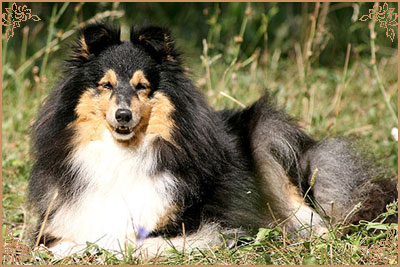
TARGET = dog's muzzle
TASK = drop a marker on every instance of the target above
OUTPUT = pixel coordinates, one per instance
(123, 122)
(123, 117)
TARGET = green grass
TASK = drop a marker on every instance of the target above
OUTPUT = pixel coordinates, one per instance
(229, 78)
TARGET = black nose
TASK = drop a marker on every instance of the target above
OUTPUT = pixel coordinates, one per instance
(123, 115)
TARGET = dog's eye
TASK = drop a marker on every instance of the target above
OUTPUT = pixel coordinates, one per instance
(108, 86)
(141, 86)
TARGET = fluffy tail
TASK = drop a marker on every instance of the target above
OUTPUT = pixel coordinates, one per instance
(347, 188)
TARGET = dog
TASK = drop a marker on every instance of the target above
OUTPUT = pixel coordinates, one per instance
(128, 152)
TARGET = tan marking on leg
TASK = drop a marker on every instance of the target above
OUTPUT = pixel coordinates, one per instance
(283, 196)
(301, 215)
(293, 192)
(169, 216)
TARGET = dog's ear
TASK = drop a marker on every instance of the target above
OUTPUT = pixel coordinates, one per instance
(158, 41)
(95, 38)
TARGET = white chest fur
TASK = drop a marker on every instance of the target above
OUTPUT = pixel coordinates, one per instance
(120, 197)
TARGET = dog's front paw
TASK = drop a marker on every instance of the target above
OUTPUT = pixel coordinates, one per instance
(152, 248)
(66, 248)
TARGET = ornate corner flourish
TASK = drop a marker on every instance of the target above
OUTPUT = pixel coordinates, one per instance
(385, 251)
(15, 252)
(14, 16)
(386, 17)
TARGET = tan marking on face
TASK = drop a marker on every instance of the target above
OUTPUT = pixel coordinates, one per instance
(166, 43)
(84, 48)
(91, 121)
(143, 95)
(155, 117)
(139, 78)
(160, 121)
(170, 58)
(109, 77)
(139, 105)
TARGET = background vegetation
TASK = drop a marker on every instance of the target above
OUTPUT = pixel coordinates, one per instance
(334, 73)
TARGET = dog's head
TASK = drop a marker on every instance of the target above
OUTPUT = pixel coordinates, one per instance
(122, 82)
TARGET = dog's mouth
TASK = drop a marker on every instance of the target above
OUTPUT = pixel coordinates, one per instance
(124, 130)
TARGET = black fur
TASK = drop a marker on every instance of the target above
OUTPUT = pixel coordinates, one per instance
(219, 180)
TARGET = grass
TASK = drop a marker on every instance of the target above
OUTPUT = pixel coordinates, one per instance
(357, 99)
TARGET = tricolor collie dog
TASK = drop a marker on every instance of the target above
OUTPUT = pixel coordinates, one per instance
(127, 151)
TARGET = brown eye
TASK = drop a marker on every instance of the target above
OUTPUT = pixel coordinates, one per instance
(141, 86)
(108, 86)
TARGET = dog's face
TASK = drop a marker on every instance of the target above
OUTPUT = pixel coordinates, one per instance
(127, 101)
(121, 96)
(123, 93)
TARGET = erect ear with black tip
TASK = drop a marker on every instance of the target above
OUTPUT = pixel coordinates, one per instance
(157, 40)
(95, 38)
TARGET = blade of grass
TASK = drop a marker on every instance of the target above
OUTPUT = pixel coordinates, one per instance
(53, 20)
(49, 36)
(376, 72)
(75, 15)
(55, 195)
(4, 51)
(24, 45)
(233, 99)
(247, 14)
